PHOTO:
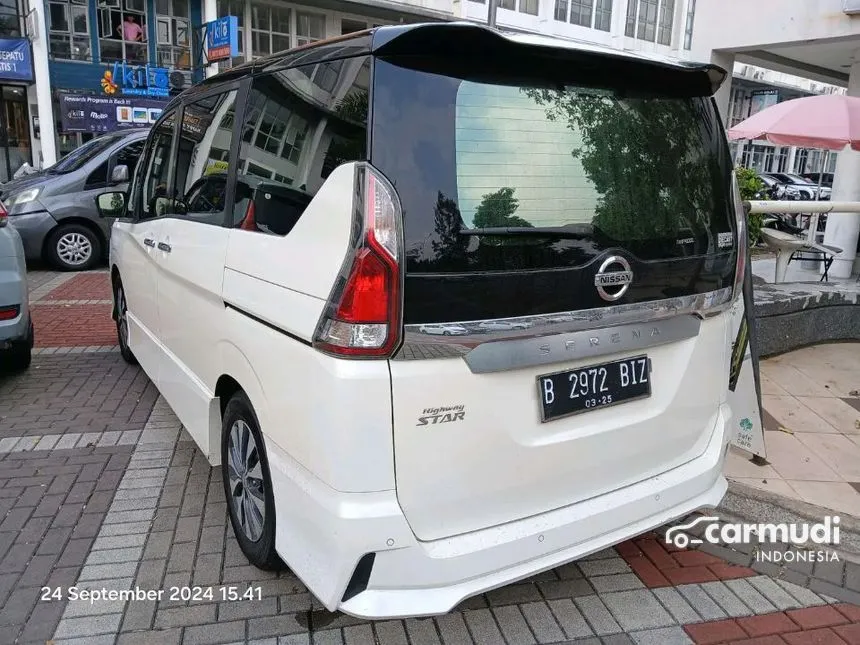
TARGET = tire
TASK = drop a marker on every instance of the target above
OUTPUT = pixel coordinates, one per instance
(73, 247)
(252, 514)
(122, 322)
(20, 355)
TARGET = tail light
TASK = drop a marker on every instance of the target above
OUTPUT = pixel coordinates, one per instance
(249, 222)
(364, 314)
(9, 313)
(4, 215)
(742, 239)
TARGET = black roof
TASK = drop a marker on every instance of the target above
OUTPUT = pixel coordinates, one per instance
(472, 44)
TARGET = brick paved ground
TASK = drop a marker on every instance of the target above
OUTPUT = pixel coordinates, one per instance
(101, 488)
(53, 503)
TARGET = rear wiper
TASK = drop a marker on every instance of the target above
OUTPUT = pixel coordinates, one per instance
(527, 231)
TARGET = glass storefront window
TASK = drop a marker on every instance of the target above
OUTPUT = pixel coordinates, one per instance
(15, 148)
(173, 33)
(10, 19)
(122, 30)
(69, 31)
(270, 29)
(310, 27)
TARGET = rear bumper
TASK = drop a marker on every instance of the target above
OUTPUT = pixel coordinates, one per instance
(322, 534)
(33, 228)
(14, 291)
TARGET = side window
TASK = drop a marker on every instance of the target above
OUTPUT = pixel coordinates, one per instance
(298, 126)
(128, 156)
(203, 159)
(98, 178)
(156, 174)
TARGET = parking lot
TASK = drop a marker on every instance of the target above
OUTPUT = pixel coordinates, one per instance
(102, 490)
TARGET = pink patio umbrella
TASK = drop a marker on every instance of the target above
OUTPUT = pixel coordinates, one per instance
(830, 122)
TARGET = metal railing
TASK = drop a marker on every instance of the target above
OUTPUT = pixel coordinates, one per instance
(802, 208)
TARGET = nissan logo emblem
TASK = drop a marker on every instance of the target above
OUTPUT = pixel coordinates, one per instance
(613, 278)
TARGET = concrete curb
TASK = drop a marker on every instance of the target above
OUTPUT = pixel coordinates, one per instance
(745, 503)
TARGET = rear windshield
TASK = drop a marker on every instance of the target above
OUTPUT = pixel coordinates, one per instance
(510, 175)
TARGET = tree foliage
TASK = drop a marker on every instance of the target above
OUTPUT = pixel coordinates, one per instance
(497, 209)
(752, 187)
(648, 159)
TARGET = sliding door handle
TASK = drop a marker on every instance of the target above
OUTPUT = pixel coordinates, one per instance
(164, 247)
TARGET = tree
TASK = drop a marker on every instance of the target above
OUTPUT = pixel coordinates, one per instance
(348, 139)
(752, 187)
(497, 209)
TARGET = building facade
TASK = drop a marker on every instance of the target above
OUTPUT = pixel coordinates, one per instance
(754, 89)
(76, 42)
(817, 40)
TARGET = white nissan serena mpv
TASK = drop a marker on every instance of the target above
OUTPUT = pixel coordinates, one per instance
(449, 307)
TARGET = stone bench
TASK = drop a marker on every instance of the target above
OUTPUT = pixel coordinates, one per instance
(794, 315)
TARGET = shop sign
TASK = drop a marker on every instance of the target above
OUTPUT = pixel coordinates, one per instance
(94, 113)
(16, 60)
(222, 39)
(136, 80)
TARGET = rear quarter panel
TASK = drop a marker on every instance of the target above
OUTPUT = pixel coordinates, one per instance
(13, 283)
(332, 416)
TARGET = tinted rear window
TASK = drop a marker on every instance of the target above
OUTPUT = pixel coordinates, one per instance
(566, 172)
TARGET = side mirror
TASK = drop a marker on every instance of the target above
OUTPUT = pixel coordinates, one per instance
(111, 205)
(119, 175)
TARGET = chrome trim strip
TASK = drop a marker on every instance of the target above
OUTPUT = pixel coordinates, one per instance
(450, 340)
(512, 354)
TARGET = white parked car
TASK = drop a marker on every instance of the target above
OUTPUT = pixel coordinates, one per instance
(297, 229)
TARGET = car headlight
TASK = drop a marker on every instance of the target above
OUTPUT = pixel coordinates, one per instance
(24, 197)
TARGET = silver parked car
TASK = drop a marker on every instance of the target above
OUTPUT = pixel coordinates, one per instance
(54, 210)
(16, 326)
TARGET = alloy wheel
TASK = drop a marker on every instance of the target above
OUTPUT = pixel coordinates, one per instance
(245, 473)
(75, 249)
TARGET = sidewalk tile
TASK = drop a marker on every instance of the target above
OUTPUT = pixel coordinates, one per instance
(816, 617)
(701, 602)
(839, 452)
(663, 636)
(637, 610)
(569, 617)
(792, 460)
(719, 631)
(767, 624)
(839, 496)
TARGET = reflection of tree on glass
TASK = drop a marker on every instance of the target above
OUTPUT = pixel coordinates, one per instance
(352, 108)
(497, 209)
(647, 158)
(117, 201)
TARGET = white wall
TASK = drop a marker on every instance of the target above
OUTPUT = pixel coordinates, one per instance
(738, 24)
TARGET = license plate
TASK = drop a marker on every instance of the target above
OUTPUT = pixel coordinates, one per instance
(594, 387)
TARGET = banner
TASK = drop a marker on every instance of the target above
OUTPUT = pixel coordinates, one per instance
(94, 113)
(222, 38)
(744, 376)
(16, 60)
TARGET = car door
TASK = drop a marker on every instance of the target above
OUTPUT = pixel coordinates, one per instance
(99, 179)
(193, 245)
(134, 247)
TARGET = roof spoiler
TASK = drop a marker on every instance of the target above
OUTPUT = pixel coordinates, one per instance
(478, 47)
